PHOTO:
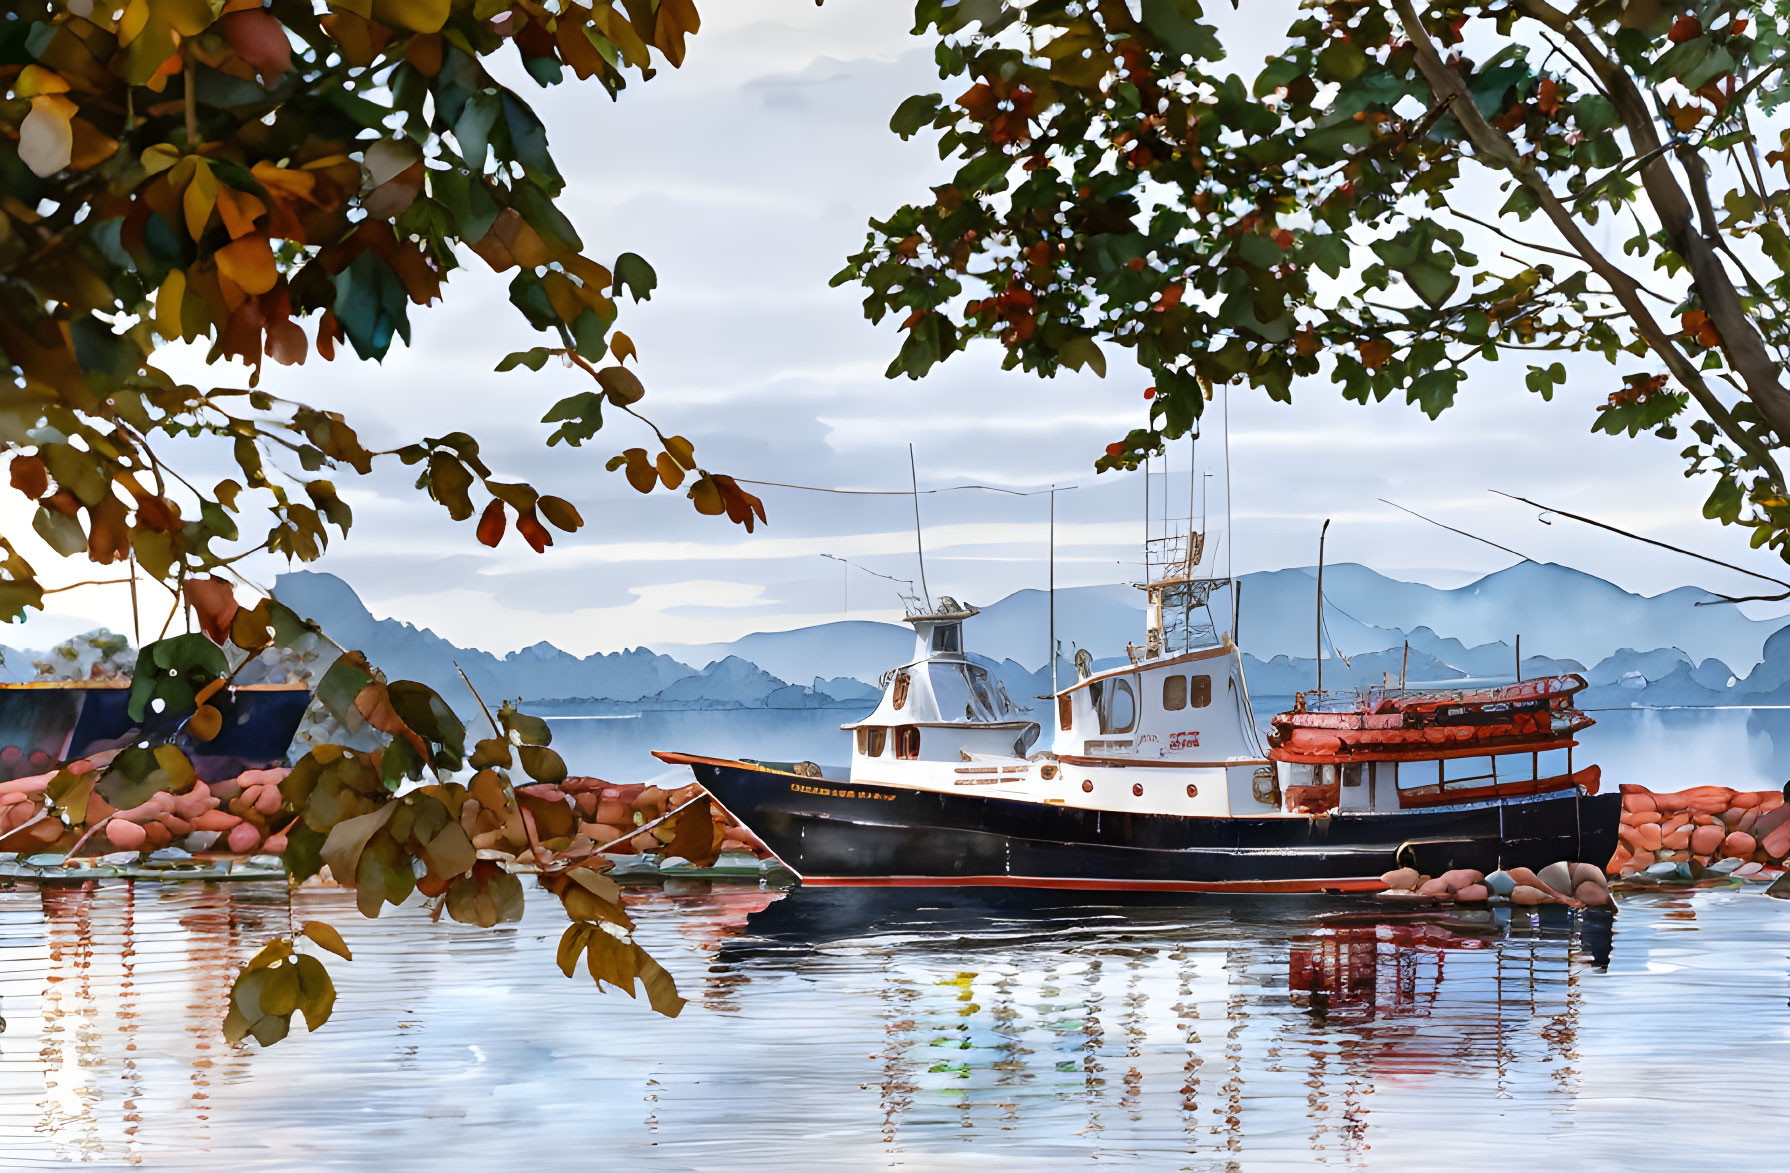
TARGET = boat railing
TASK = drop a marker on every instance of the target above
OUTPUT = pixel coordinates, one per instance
(1370, 698)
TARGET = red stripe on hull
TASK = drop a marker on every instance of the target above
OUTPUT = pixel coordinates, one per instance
(1358, 884)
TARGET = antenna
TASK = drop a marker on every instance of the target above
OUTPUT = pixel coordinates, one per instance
(1053, 590)
(1229, 575)
(1146, 518)
(1321, 535)
(919, 545)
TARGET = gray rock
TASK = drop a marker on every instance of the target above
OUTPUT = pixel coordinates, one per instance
(1661, 871)
(1724, 866)
(1501, 882)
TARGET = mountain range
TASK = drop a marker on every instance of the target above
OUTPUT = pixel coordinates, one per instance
(1651, 650)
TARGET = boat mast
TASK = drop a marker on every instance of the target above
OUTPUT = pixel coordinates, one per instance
(1320, 633)
(1053, 590)
(919, 545)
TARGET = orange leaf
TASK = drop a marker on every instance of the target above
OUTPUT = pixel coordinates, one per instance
(532, 531)
(29, 476)
(214, 604)
(491, 523)
(239, 210)
(249, 262)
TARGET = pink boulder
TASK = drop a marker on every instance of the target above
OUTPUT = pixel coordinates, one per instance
(1707, 840)
(1473, 894)
(244, 838)
(1529, 895)
(126, 836)
(1740, 845)
(1592, 895)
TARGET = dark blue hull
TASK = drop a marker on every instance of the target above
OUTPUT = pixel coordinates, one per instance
(842, 833)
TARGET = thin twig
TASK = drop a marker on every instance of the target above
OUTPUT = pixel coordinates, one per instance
(478, 698)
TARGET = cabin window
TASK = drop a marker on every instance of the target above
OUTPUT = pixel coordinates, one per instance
(1199, 692)
(1354, 775)
(901, 686)
(947, 638)
(1515, 767)
(1553, 763)
(1174, 693)
(1119, 714)
(1467, 770)
(870, 741)
(1065, 710)
(907, 741)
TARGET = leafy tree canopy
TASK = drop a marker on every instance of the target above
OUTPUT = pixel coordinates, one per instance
(1117, 187)
(286, 181)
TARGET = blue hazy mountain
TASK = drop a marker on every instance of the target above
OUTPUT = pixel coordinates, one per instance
(539, 672)
(1567, 619)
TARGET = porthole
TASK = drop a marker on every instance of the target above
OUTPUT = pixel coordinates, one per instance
(1192, 790)
(1087, 786)
(1137, 790)
(1047, 772)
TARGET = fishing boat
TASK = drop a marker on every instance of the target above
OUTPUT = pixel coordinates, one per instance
(1156, 778)
(46, 722)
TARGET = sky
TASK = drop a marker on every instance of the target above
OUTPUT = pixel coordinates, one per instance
(746, 178)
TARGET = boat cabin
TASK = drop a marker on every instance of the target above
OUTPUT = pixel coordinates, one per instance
(1391, 749)
(941, 706)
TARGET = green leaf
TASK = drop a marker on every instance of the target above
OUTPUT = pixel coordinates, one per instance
(137, 773)
(172, 671)
(534, 359)
(60, 531)
(580, 417)
(1341, 60)
(1177, 24)
(542, 764)
(914, 113)
(633, 274)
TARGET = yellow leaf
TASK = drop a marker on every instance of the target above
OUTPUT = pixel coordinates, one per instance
(201, 196)
(681, 451)
(707, 496)
(35, 79)
(46, 140)
(282, 181)
(622, 347)
(327, 936)
(249, 263)
(158, 157)
(419, 16)
(168, 301)
(136, 16)
(239, 210)
(189, 18)
(669, 472)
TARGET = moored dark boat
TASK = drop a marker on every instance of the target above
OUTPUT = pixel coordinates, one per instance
(1157, 779)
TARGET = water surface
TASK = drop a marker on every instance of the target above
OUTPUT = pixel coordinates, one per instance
(832, 1030)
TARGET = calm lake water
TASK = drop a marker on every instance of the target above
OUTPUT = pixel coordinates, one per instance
(862, 1031)
(831, 1030)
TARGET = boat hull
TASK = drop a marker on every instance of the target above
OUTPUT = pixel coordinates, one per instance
(851, 833)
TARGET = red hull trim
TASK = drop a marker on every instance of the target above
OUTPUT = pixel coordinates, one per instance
(1357, 884)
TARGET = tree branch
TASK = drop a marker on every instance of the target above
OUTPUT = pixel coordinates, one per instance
(1741, 342)
(1496, 148)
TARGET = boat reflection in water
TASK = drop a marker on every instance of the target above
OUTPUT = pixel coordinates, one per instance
(826, 1029)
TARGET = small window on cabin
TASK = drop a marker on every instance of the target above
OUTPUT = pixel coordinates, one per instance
(1553, 763)
(901, 687)
(1467, 770)
(947, 638)
(907, 741)
(1199, 691)
(1174, 693)
(1120, 711)
(1065, 710)
(1514, 767)
(1354, 774)
(870, 741)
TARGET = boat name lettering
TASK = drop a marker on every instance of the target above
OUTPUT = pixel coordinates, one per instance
(1185, 740)
(827, 792)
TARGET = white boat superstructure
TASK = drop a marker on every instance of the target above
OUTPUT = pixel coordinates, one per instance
(1168, 732)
